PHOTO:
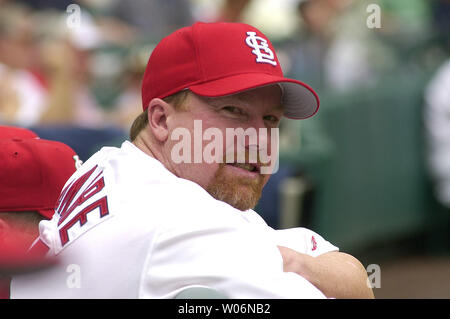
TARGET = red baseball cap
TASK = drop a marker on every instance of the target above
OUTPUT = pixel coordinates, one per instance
(218, 59)
(14, 131)
(33, 172)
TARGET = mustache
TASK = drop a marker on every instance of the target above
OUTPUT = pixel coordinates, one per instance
(244, 157)
(255, 162)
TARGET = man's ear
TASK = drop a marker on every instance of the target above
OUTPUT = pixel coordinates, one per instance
(158, 112)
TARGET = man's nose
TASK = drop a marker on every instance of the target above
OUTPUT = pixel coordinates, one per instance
(259, 137)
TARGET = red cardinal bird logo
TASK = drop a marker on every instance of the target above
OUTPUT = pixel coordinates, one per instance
(313, 243)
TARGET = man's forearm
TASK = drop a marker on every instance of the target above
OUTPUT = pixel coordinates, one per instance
(336, 274)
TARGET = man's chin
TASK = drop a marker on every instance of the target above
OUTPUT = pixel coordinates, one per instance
(241, 197)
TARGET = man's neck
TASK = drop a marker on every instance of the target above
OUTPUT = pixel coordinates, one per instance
(144, 144)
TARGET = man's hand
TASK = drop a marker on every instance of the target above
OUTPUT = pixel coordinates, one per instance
(336, 274)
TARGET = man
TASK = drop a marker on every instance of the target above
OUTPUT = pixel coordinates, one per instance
(32, 174)
(172, 210)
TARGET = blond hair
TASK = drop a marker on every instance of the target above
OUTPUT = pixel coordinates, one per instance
(141, 121)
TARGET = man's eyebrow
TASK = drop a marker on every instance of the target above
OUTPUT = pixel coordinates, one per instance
(223, 99)
(280, 107)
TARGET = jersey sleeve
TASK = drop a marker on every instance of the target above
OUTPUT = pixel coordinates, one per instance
(299, 239)
(220, 252)
(304, 241)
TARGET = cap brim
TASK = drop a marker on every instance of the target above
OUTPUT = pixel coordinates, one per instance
(299, 100)
(47, 213)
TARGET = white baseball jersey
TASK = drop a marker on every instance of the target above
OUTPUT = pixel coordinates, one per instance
(126, 227)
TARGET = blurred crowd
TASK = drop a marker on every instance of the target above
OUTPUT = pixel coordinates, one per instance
(81, 62)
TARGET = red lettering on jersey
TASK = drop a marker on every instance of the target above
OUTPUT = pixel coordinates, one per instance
(92, 189)
(82, 217)
(68, 194)
(71, 199)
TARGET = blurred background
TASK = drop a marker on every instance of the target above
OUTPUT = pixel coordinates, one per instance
(370, 172)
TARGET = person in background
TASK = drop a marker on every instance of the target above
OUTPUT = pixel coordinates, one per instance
(437, 129)
(23, 91)
(32, 174)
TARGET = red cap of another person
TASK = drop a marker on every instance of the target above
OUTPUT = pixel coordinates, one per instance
(33, 172)
(14, 131)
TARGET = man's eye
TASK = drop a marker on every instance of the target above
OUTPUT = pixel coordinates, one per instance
(233, 109)
(271, 118)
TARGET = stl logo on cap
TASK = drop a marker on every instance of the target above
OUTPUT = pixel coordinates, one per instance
(259, 43)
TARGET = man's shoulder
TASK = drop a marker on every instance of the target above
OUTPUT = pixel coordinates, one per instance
(139, 186)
